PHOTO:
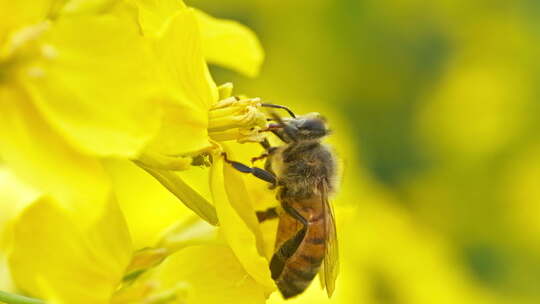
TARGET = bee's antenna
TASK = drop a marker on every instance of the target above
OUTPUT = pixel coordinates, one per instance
(269, 105)
(278, 119)
(288, 129)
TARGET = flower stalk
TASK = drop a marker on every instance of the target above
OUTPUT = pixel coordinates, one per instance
(10, 298)
(185, 193)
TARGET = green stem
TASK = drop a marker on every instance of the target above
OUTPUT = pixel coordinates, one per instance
(191, 198)
(9, 298)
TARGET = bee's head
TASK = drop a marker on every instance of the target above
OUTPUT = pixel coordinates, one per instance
(309, 126)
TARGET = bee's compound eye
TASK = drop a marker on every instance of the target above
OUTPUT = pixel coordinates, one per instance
(313, 124)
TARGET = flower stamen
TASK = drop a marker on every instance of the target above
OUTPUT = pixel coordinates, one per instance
(236, 118)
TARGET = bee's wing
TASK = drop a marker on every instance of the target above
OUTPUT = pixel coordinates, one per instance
(330, 268)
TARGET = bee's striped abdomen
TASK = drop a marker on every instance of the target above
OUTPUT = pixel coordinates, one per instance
(297, 260)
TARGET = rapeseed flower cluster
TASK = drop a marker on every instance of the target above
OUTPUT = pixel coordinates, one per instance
(109, 116)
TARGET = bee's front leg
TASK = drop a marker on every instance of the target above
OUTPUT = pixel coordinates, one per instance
(268, 150)
(266, 154)
(257, 172)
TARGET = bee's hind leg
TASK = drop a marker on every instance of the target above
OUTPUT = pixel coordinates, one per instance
(257, 172)
(268, 214)
(265, 144)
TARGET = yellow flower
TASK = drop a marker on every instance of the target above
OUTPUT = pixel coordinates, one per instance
(151, 211)
(146, 97)
(229, 44)
(91, 76)
(72, 87)
(193, 112)
(208, 274)
(50, 256)
(196, 114)
(238, 221)
(75, 266)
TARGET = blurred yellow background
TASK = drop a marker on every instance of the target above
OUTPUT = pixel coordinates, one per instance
(434, 107)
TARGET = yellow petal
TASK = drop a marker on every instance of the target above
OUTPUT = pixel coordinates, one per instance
(85, 6)
(154, 15)
(14, 14)
(14, 197)
(188, 232)
(209, 274)
(6, 283)
(184, 131)
(191, 231)
(96, 84)
(51, 258)
(149, 207)
(236, 224)
(183, 61)
(43, 159)
(184, 73)
(230, 44)
(240, 201)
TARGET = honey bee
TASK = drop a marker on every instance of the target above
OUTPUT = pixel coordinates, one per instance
(304, 172)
